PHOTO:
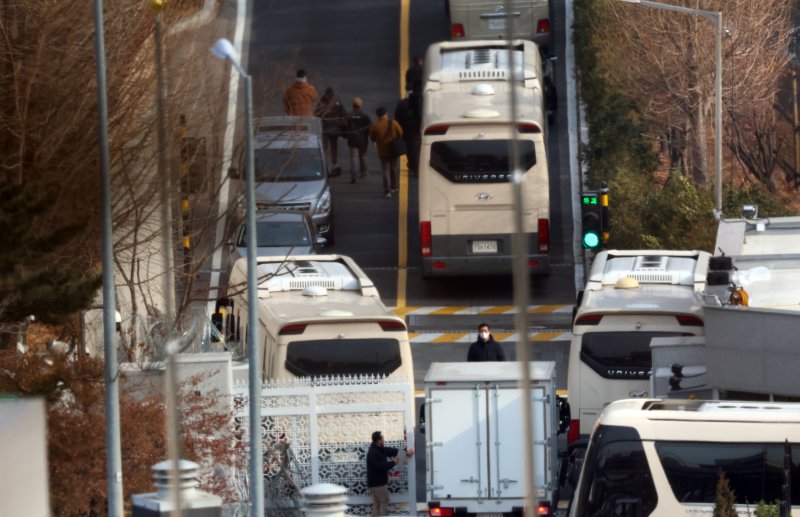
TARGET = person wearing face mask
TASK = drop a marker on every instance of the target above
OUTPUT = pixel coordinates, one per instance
(485, 348)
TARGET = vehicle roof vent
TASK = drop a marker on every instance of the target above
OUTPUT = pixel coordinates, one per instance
(311, 275)
(650, 269)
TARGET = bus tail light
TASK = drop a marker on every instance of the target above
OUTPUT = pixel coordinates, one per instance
(544, 236)
(529, 128)
(457, 30)
(685, 320)
(438, 129)
(589, 319)
(425, 238)
(574, 430)
(543, 508)
(543, 26)
(390, 326)
(292, 330)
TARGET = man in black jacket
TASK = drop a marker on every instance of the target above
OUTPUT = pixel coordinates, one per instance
(485, 348)
(380, 460)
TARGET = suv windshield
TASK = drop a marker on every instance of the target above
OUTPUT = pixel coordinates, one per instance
(343, 357)
(289, 164)
(484, 161)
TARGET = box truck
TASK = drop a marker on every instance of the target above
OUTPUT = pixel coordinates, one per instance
(475, 440)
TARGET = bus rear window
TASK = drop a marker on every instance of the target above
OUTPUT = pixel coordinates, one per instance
(754, 470)
(620, 355)
(343, 357)
(479, 161)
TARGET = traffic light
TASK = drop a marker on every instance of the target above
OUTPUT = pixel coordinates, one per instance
(591, 221)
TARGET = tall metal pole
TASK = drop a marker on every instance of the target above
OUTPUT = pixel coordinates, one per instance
(253, 344)
(715, 17)
(163, 171)
(113, 446)
(520, 269)
(171, 374)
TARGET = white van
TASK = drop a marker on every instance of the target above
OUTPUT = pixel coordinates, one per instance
(663, 458)
(488, 19)
(318, 315)
(466, 198)
(631, 297)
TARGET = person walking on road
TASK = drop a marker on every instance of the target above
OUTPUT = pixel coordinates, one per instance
(407, 114)
(485, 348)
(358, 124)
(382, 132)
(333, 115)
(299, 97)
(380, 460)
(414, 73)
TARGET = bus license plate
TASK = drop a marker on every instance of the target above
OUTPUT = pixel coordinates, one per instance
(484, 246)
(497, 24)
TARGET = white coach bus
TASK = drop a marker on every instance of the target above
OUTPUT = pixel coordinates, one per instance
(466, 202)
(631, 297)
(663, 458)
(318, 315)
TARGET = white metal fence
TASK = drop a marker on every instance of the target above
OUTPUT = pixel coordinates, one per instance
(318, 431)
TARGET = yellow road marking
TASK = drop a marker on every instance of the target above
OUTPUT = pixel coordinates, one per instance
(544, 309)
(448, 337)
(500, 309)
(448, 310)
(402, 210)
(545, 336)
(402, 311)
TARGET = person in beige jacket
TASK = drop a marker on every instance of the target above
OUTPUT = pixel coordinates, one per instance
(382, 135)
(299, 97)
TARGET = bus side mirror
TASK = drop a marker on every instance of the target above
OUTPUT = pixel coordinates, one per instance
(564, 414)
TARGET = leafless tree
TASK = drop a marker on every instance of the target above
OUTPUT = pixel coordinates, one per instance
(666, 60)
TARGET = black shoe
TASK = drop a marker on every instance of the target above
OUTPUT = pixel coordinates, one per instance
(352, 180)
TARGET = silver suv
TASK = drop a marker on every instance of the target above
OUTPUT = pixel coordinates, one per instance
(291, 170)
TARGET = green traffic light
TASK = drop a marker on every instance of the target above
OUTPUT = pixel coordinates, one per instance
(591, 240)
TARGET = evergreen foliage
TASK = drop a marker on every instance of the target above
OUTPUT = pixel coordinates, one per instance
(44, 274)
(725, 499)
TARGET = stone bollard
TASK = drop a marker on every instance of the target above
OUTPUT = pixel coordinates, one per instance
(324, 500)
(194, 503)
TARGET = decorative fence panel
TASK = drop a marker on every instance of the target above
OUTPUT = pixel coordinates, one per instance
(318, 431)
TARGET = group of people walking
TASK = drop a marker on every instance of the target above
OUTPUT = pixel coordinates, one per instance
(358, 130)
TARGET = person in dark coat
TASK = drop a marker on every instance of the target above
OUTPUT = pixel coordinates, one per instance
(358, 124)
(333, 115)
(414, 73)
(485, 348)
(407, 113)
(380, 460)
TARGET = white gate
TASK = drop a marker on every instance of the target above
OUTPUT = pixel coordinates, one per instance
(318, 431)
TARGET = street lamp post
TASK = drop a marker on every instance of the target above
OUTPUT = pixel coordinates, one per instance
(223, 49)
(715, 17)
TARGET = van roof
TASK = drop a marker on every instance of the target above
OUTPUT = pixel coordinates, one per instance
(652, 416)
(296, 273)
